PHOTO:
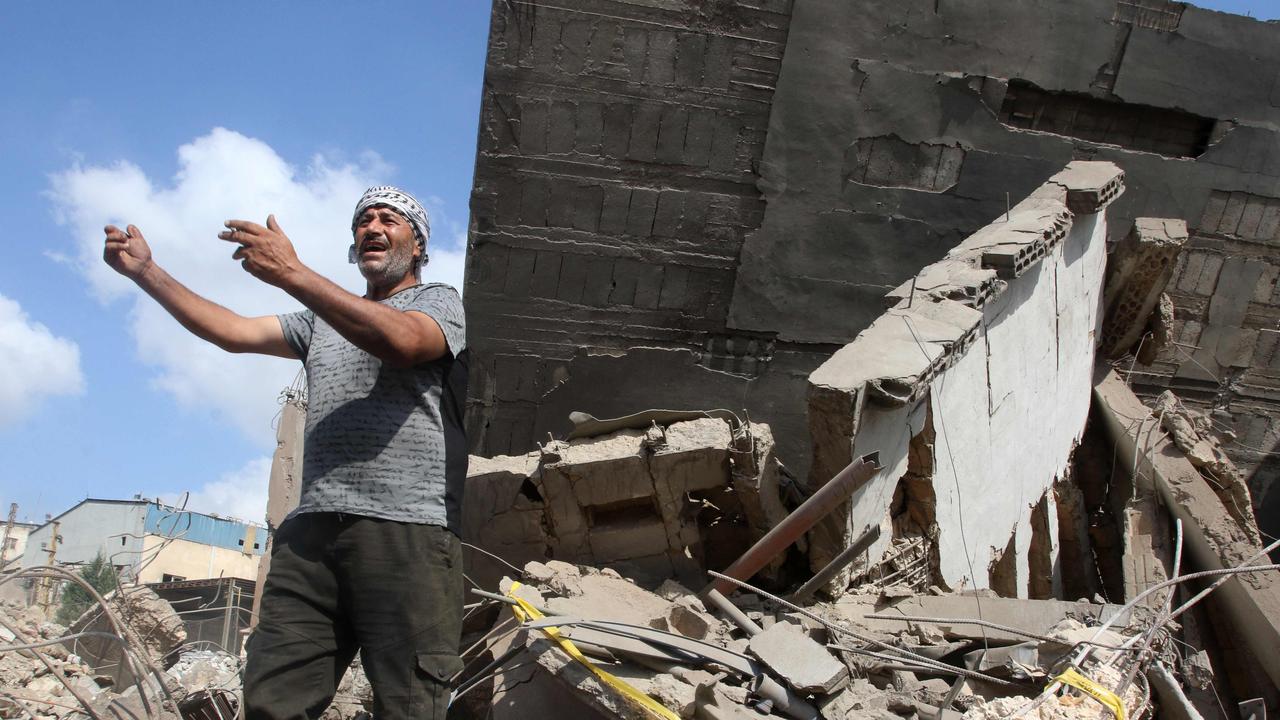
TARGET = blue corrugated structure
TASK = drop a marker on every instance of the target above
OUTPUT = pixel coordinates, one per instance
(196, 527)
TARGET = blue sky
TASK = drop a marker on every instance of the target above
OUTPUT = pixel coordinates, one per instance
(385, 92)
(175, 116)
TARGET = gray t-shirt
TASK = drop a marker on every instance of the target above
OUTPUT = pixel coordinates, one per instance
(384, 442)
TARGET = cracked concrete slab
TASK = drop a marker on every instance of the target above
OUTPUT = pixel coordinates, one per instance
(798, 659)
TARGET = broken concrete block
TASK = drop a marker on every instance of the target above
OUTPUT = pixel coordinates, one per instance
(671, 692)
(723, 702)
(525, 592)
(1192, 432)
(565, 577)
(1015, 243)
(639, 495)
(860, 699)
(538, 572)
(146, 615)
(1090, 185)
(596, 484)
(677, 593)
(800, 661)
(928, 633)
(1138, 270)
(503, 513)
(602, 597)
(555, 685)
(681, 620)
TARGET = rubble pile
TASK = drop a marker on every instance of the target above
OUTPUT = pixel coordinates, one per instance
(50, 681)
(662, 493)
(150, 620)
(974, 473)
(71, 676)
(588, 641)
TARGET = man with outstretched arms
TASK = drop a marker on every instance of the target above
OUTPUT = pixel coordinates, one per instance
(370, 560)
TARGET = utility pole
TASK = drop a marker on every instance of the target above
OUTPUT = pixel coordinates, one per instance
(46, 584)
(285, 484)
(8, 530)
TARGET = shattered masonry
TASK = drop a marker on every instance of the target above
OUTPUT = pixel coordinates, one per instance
(666, 500)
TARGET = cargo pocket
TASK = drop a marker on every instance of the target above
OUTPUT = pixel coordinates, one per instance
(436, 670)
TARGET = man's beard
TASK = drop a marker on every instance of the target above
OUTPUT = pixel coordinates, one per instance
(396, 263)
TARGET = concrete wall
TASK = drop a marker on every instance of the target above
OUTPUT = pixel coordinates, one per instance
(665, 209)
(194, 561)
(110, 527)
(615, 182)
(998, 382)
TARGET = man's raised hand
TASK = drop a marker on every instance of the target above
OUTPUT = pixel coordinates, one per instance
(264, 252)
(126, 252)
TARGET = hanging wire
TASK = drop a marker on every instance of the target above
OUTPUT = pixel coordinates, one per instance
(955, 476)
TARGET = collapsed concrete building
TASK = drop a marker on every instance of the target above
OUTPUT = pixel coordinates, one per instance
(692, 202)
(977, 399)
(852, 221)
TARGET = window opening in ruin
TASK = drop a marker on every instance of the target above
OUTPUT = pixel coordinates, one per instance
(623, 512)
(1173, 133)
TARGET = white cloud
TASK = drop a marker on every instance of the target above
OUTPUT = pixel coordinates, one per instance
(447, 252)
(37, 364)
(240, 494)
(225, 175)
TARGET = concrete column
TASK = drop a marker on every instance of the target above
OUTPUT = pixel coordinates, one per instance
(286, 480)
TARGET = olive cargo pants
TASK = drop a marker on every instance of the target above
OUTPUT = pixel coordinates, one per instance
(340, 583)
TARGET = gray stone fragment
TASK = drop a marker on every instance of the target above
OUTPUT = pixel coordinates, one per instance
(798, 659)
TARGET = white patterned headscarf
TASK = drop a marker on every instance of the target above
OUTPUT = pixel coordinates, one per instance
(404, 204)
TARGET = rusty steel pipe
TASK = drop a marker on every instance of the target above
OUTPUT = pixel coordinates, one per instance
(739, 618)
(800, 521)
(823, 576)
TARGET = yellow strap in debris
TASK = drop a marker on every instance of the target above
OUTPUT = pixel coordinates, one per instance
(523, 611)
(1094, 690)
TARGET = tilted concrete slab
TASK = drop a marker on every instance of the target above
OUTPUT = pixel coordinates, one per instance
(1214, 539)
(1036, 616)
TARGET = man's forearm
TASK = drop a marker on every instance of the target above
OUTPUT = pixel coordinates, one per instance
(384, 332)
(202, 317)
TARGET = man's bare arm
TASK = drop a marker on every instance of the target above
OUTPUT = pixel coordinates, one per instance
(396, 337)
(129, 255)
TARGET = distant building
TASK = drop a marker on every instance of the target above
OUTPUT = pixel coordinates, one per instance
(14, 542)
(149, 541)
